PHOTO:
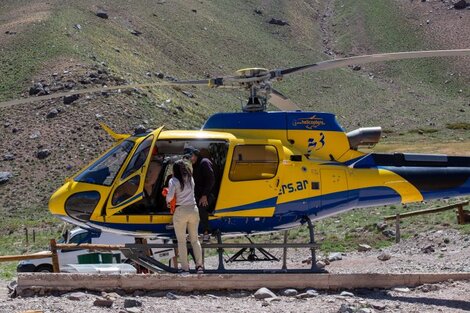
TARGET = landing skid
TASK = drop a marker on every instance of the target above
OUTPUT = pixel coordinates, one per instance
(139, 254)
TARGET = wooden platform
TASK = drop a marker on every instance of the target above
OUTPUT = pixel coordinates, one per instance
(205, 282)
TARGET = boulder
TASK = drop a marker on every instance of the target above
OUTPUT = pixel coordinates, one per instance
(43, 153)
(52, 113)
(70, 99)
(279, 22)
(4, 177)
(460, 4)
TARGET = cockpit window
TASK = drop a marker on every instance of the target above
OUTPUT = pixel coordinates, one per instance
(103, 171)
(139, 157)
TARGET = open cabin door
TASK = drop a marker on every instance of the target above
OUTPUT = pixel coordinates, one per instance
(250, 181)
(129, 186)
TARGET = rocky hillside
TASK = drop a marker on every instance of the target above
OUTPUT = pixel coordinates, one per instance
(52, 46)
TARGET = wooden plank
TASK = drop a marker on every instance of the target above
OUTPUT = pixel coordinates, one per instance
(68, 246)
(55, 257)
(206, 282)
(427, 211)
(9, 258)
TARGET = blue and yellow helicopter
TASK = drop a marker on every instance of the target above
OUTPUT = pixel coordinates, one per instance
(273, 169)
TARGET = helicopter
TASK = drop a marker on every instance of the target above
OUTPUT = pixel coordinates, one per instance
(273, 169)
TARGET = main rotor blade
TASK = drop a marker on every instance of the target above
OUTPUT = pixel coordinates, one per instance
(363, 59)
(282, 102)
(102, 89)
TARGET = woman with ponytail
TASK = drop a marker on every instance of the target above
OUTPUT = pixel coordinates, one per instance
(186, 216)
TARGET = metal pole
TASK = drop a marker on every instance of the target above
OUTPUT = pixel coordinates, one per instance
(397, 229)
(284, 256)
(220, 251)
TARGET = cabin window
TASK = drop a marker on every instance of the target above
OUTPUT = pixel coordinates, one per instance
(105, 169)
(139, 157)
(126, 190)
(253, 162)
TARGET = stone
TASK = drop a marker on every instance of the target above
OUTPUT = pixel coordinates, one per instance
(321, 264)
(378, 306)
(290, 292)
(188, 94)
(133, 310)
(160, 75)
(364, 310)
(428, 249)
(103, 14)
(311, 293)
(384, 256)
(4, 177)
(381, 226)
(43, 153)
(346, 294)
(258, 11)
(171, 296)
(428, 288)
(76, 296)
(130, 303)
(52, 113)
(139, 129)
(335, 256)
(135, 32)
(364, 248)
(36, 134)
(8, 157)
(241, 294)
(401, 289)
(35, 89)
(388, 233)
(356, 67)
(264, 293)
(70, 99)
(345, 309)
(77, 26)
(106, 303)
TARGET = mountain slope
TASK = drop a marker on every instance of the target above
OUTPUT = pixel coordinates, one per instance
(67, 45)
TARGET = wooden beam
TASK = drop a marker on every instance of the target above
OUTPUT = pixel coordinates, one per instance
(9, 258)
(427, 211)
(129, 282)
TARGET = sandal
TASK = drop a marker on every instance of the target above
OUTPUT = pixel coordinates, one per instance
(200, 270)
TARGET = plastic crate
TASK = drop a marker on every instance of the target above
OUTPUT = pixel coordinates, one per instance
(107, 258)
(89, 258)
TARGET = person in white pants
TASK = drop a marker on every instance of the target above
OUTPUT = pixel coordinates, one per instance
(186, 216)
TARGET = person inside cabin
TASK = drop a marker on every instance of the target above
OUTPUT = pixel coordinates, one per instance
(155, 166)
(203, 173)
(186, 216)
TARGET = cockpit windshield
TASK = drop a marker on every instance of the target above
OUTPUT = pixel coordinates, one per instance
(104, 170)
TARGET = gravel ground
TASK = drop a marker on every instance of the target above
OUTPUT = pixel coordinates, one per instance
(451, 253)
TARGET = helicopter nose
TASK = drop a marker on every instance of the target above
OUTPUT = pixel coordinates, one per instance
(77, 205)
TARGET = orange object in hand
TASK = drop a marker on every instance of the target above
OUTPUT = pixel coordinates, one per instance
(172, 202)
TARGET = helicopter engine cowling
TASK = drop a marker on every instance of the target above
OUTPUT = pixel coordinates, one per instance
(366, 136)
